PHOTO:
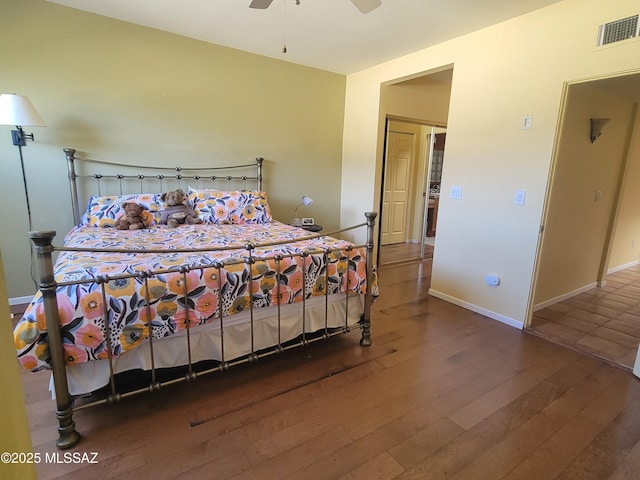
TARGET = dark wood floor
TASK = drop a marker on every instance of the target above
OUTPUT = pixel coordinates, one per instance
(604, 321)
(442, 393)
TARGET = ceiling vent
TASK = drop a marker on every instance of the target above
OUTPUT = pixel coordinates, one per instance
(618, 30)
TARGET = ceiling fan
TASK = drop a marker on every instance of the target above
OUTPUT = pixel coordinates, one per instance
(365, 6)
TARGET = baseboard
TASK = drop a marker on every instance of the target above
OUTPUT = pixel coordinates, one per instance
(560, 298)
(475, 308)
(551, 301)
(622, 267)
(26, 300)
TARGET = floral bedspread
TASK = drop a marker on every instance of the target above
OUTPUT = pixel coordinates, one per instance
(81, 305)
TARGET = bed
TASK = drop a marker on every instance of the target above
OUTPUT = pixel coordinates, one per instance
(236, 287)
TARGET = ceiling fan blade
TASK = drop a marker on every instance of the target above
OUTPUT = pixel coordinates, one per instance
(260, 3)
(365, 6)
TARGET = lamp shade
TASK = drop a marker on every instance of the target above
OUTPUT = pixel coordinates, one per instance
(19, 111)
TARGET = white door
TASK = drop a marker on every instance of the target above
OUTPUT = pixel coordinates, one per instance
(396, 187)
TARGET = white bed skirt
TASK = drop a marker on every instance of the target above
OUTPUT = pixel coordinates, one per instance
(205, 340)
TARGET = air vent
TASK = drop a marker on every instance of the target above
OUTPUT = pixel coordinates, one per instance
(618, 30)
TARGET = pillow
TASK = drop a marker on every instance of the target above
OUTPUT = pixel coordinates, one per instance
(235, 207)
(104, 211)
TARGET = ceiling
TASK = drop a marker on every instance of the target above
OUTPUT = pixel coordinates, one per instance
(326, 34)
(626, 86)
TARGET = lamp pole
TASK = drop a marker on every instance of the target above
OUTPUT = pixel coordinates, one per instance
(21, 135)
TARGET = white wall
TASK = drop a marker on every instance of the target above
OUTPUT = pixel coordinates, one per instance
(501, 74)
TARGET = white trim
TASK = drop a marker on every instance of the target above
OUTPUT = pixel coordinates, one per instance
(551, 301)
(475, 308)
(20, 300)
(623, 267)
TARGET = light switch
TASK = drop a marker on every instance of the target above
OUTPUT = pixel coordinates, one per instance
(520, 196)
(527, 122)
(456, 192)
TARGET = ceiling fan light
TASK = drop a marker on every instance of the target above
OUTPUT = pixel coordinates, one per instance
(366, 6)
(261, 4)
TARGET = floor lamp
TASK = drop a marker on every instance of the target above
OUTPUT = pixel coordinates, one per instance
(19, 111)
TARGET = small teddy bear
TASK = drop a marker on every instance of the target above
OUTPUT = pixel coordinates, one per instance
(177, 211)
(132, 218)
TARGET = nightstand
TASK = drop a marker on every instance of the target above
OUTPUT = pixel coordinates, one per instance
(312, 228)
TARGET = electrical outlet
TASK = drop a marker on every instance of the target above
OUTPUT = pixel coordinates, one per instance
(492, 280)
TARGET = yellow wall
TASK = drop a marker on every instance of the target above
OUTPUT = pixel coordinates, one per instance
(134, 94)
(125, 93)
(426, 102)
(625, 248)
(501, 74)
(579, 219)
(14, 434)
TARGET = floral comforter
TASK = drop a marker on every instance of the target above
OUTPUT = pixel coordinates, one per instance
(81, 305)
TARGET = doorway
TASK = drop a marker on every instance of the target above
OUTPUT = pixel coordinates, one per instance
(587, 288)
(413, 104)
(413, 163)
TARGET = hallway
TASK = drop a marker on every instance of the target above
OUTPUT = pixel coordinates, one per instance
(602, 322)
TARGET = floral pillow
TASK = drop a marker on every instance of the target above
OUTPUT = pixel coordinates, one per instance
(104, 211)
(234, 207)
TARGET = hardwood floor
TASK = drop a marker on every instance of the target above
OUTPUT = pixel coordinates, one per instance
(442, 393)
(603, 322)
(403, 253)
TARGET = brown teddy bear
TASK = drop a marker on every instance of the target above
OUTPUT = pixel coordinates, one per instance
(132, 218)
(177, 211)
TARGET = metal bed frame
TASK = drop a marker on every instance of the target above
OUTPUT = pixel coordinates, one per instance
(44, 250)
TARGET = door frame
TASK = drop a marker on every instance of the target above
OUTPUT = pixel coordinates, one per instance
(548, 205)
(424, 161)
